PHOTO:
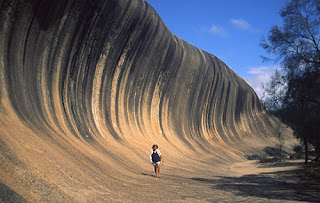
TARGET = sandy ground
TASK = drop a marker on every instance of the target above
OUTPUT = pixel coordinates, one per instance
(247, 181)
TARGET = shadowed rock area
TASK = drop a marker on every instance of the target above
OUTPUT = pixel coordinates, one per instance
(86, 88)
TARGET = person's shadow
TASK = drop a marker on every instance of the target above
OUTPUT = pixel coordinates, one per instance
(145, 174)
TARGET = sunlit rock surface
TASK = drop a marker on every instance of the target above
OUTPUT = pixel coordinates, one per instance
(86, 88)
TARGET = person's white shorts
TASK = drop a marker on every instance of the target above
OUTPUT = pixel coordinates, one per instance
(155, 163)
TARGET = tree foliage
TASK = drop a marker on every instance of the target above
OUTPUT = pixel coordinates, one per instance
(274, 92)
(294, 92)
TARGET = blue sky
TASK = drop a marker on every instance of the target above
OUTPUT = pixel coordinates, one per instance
(228, 29)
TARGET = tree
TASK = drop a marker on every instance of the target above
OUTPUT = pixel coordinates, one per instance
(274, 92)
(293, 93)
(279, 135)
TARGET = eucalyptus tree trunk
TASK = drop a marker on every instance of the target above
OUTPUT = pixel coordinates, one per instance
(306, 155)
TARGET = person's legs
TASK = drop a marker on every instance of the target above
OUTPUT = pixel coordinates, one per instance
(158, 167)
(155, 169)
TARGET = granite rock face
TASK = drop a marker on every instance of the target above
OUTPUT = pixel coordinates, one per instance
(81, 81)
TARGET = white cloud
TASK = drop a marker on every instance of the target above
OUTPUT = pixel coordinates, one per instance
(242, 25)
(263, 70)
(215, 30)
(259, 75)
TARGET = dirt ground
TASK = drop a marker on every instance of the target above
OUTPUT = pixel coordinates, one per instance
(247, 181)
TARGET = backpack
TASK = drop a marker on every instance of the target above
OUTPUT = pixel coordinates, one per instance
(155, 157)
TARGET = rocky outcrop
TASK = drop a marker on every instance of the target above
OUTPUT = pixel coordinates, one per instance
(81, 81)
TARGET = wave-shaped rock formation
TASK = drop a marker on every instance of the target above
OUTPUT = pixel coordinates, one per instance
(86, 88)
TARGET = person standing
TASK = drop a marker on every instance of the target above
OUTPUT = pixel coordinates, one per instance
(155, 159)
